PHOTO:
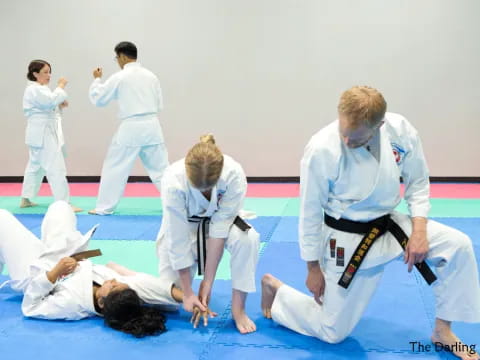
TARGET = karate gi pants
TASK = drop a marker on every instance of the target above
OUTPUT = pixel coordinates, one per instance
(19, 248)
(117, 167)
(457, 291)
(242, 246)
(47, 160)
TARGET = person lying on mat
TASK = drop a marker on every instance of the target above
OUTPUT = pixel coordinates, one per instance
(56, 286)
(202, 196)
(348, 229)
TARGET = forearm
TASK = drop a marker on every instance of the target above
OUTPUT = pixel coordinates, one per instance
(177, 294)
(419, 224)
(215, 248)
(186, 281)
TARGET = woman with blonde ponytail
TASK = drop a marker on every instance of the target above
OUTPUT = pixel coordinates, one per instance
(202, 196)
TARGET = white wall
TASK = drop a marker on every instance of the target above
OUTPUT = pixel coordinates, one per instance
(262, 75)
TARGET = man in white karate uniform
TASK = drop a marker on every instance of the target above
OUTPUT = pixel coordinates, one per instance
(348, 231)
(140, 100)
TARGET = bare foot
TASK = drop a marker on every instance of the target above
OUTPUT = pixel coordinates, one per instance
(270, 285)
(26, 203)
(243, 322)
(93, 212)
(76, 209)
(444, 338)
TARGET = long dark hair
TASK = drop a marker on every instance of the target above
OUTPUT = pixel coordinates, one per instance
(125, 311)
(36, 66)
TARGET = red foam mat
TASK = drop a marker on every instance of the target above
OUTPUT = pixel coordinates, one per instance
(455, 191)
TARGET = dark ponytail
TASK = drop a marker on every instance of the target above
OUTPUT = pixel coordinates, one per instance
(124, 311)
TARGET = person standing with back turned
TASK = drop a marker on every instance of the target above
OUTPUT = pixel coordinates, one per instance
(139, 97)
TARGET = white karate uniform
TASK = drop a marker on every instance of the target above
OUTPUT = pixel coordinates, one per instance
(352, 184)
(44, 138)
(177, 239)
(139, 97)
(28, 259)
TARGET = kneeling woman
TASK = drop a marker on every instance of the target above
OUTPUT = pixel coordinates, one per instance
(202, 196)
(56, 286)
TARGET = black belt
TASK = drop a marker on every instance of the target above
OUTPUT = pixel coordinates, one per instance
(202, 230)
(372, 230)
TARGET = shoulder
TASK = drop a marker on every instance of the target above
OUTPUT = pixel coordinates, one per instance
(174, 178)
(401, 132)
(231, 168)
(398, 125)
(138, 68)
(34, 88)
(326, 144)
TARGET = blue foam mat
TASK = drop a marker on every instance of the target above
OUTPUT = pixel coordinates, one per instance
(80, 338)
(401, 311)
(132, 227)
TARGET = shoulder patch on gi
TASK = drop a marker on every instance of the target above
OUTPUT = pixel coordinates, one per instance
(398, 153)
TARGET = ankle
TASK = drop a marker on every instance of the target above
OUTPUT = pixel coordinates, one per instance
(237, 311)
(442, 327)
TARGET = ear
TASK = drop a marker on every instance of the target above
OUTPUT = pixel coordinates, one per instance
(35, 74)
(101, 302)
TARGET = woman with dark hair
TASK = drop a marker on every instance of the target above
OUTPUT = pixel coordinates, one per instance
(44, 137)
(57, 286)
(124, 311)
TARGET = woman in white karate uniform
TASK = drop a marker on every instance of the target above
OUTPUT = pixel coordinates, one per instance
(44, 135)
(56, 286)
(204, 193)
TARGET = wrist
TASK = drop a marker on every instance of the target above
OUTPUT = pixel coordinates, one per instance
(52, 276)
(419, 224)
(313, 265)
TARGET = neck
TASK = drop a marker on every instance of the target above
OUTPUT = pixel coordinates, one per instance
(207, 194)
(95, 287)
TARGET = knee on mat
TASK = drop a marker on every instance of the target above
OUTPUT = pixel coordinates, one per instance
(336, 337)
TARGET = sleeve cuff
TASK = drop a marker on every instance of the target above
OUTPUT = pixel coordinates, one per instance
(420, 211)
(42, 283)
(220, 230)
(183, 263)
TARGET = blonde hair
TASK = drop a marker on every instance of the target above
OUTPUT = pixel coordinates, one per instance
(362, 105)
(204, 163)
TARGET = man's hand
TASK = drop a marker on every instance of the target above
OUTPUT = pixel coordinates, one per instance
(62, 82)
(315, 280)
(417, 246)
(65, 266)
(97, 73)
